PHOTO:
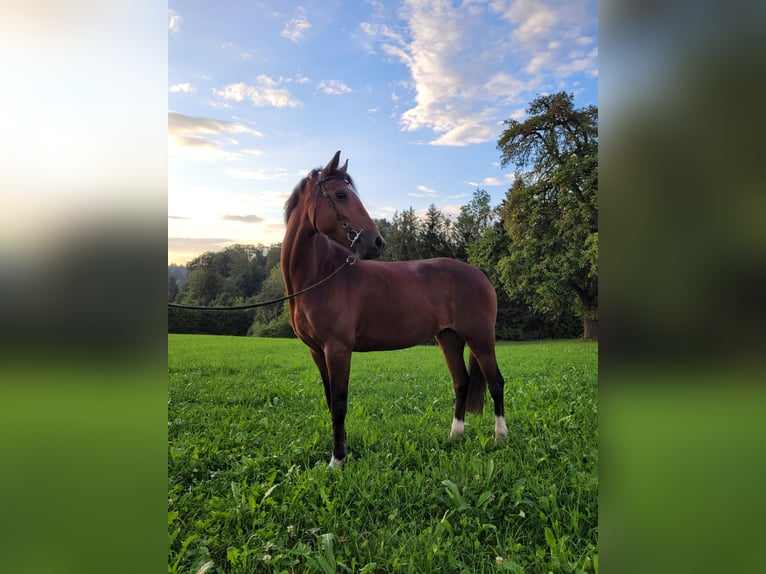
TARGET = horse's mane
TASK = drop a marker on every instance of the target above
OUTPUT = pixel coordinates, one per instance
(292, 201)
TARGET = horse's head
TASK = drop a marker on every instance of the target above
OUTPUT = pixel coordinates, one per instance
(338, 213)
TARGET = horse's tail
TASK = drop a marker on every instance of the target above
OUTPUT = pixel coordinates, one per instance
(477, 386)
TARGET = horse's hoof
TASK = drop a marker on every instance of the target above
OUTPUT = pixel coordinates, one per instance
(457, 428)
(501, 431)
(335, 463)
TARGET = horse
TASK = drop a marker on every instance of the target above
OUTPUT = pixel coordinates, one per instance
(350, 302)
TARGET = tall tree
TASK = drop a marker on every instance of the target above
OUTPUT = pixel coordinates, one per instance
(272, 320)
(551, 211)
(472, 222)
(172, 288)
(273, 253)
(204, 280)
(403, 242)
(435, 234)
(384, 227)
(226, 277)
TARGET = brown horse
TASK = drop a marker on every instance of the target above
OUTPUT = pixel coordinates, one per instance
(376, 306)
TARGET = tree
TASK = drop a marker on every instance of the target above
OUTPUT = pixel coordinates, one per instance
(227, 277)
(472, 222)
(203, 282)
(172, 288)
(242, 270)
(435, 234)
(551, 211)
(403, 241)
(273, 253)
(272, 320)
(384, 227)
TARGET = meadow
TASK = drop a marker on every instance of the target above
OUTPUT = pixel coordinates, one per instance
(249, 439)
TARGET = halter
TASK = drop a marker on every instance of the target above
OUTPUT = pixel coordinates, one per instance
(352, 234)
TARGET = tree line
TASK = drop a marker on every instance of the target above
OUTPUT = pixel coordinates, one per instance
(539, 246)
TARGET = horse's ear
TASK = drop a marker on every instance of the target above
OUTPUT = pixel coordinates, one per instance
(333, 165)
(345, 166)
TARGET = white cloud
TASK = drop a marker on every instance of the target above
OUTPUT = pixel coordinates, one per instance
(587, 63)
(507, 179)
(267, 81)
(503, 84)
(265, 174)
(465, 134)
(446, 70)
(242, 218)
(263, 93)
(204, 138)
(333, 87)
(380, 31)
(467, 68)
(424, 192)
(533, 20)
(185, 88)
(295, 28)
(183, 124)
(451, 211)
(174, 22)
(539, 63)
(496, 181)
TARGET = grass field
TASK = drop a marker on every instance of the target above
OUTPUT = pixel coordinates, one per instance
(250, 438)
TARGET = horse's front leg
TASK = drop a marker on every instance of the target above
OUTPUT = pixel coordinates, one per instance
(319, 360)
(338, 360)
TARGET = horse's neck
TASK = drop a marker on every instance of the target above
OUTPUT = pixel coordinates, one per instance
(308, 257)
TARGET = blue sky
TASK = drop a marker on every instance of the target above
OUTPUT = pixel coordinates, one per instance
(414, 93)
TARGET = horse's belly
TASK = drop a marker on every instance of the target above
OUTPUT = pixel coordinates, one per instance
(387, 336)
(365, 345)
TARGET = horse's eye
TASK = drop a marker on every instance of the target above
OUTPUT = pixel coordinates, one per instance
(340, 195)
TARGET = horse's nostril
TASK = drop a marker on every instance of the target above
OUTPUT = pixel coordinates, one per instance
(380, 242)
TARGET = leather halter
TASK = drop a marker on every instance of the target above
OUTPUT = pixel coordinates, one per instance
(352, 234)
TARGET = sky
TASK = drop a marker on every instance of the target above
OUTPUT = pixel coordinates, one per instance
(413, 93)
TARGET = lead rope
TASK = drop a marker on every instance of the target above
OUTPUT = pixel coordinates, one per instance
(350, 260)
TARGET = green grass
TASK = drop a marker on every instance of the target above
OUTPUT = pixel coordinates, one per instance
(250, 438)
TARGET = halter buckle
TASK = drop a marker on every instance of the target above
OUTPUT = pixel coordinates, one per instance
(353, 235)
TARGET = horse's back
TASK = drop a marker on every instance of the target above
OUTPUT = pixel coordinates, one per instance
(411, 301)
(445, 274)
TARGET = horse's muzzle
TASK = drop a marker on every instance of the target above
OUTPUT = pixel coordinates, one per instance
(369, 245)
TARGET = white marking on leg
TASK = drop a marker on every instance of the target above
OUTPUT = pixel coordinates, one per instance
(501, 431)
(335, 463)
(457, 427)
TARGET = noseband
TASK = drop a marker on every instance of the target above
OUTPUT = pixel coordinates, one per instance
(352, 234)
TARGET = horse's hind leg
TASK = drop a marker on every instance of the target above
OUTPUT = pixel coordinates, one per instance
(485, 357)
(452, 346)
